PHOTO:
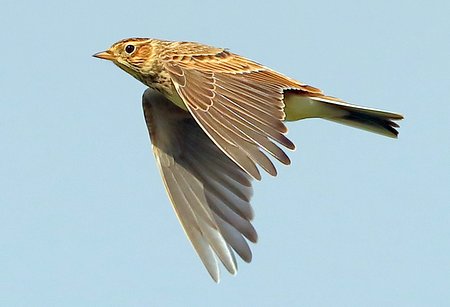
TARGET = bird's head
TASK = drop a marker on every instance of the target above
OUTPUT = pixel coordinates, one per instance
(134, 55)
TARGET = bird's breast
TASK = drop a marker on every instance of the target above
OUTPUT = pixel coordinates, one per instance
(176, 99)
(162, 82)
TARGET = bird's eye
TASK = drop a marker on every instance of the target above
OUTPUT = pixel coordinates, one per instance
(129, 49)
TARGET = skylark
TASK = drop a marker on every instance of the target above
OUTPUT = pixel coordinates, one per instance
(213, 118)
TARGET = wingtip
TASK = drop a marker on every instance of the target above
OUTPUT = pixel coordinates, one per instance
(215, 275)
(216, 280)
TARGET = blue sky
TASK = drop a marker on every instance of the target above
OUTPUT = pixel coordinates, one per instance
(356, 220)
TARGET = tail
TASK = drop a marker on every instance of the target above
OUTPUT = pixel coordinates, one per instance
(299, 106)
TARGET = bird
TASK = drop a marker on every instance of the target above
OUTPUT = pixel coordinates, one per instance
(215, 120)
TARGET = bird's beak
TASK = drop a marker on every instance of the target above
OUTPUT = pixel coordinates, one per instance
(105, 55)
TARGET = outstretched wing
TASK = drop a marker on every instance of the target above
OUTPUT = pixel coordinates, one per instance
(209, 192)
(238, 103)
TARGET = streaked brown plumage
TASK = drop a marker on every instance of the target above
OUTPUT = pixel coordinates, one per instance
(214, 117)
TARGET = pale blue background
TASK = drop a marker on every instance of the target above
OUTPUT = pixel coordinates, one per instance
(357, 220)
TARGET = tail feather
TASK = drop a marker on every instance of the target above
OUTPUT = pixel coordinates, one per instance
(333, 109)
